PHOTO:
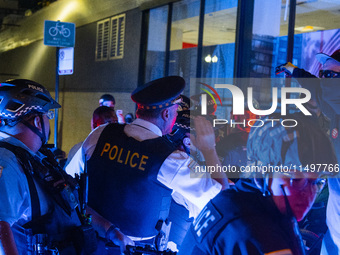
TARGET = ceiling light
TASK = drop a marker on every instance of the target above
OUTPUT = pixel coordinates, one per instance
(309, 28)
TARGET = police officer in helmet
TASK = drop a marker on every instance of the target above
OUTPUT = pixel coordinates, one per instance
(26, 207)
(39, 212)
(259, 216)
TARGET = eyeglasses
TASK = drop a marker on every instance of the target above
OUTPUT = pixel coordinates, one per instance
(328, 74)
(49, 114)
(301, 183)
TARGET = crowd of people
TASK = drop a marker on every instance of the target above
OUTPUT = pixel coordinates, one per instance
(139, 182)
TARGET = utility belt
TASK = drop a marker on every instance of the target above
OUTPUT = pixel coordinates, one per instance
(78, 240)
(139, 249)
(39, 244)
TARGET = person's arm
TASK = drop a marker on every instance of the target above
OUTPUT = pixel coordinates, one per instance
(293, 71)
(76, 165)
(7, 243)
(182, 174)
(108, 230)
(205, 142)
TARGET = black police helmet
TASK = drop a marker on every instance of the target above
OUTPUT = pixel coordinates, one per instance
(20, 97)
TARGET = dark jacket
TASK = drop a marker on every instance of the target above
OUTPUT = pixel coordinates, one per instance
(240, 221)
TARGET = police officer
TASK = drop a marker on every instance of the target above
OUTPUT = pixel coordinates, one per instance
(258, 216)
(133, 169)
(325, 92)
(39, 203)
(28, 207)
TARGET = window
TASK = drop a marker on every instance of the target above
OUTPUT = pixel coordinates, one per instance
(219, 39)
(117, 36)
(155, 55)
(184, 40)
(110, 38)
(102, 40)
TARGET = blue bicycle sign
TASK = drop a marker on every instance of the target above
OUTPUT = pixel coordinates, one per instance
(59, 34)
(53, 31)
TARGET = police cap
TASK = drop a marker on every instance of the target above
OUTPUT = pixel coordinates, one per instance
(160, 93)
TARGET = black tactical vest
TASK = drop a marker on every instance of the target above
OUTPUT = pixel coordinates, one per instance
(123, 184)
(59, 228)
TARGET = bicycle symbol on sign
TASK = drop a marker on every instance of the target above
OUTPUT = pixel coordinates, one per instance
(64, 31)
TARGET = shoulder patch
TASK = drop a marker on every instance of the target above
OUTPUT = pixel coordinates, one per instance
(205, 221)
(1, 169)
(280, 252)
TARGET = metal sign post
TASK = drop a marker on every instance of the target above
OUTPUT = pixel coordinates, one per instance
(58, 34)
(56, 99)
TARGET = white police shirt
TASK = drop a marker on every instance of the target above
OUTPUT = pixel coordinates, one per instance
(174, 173)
